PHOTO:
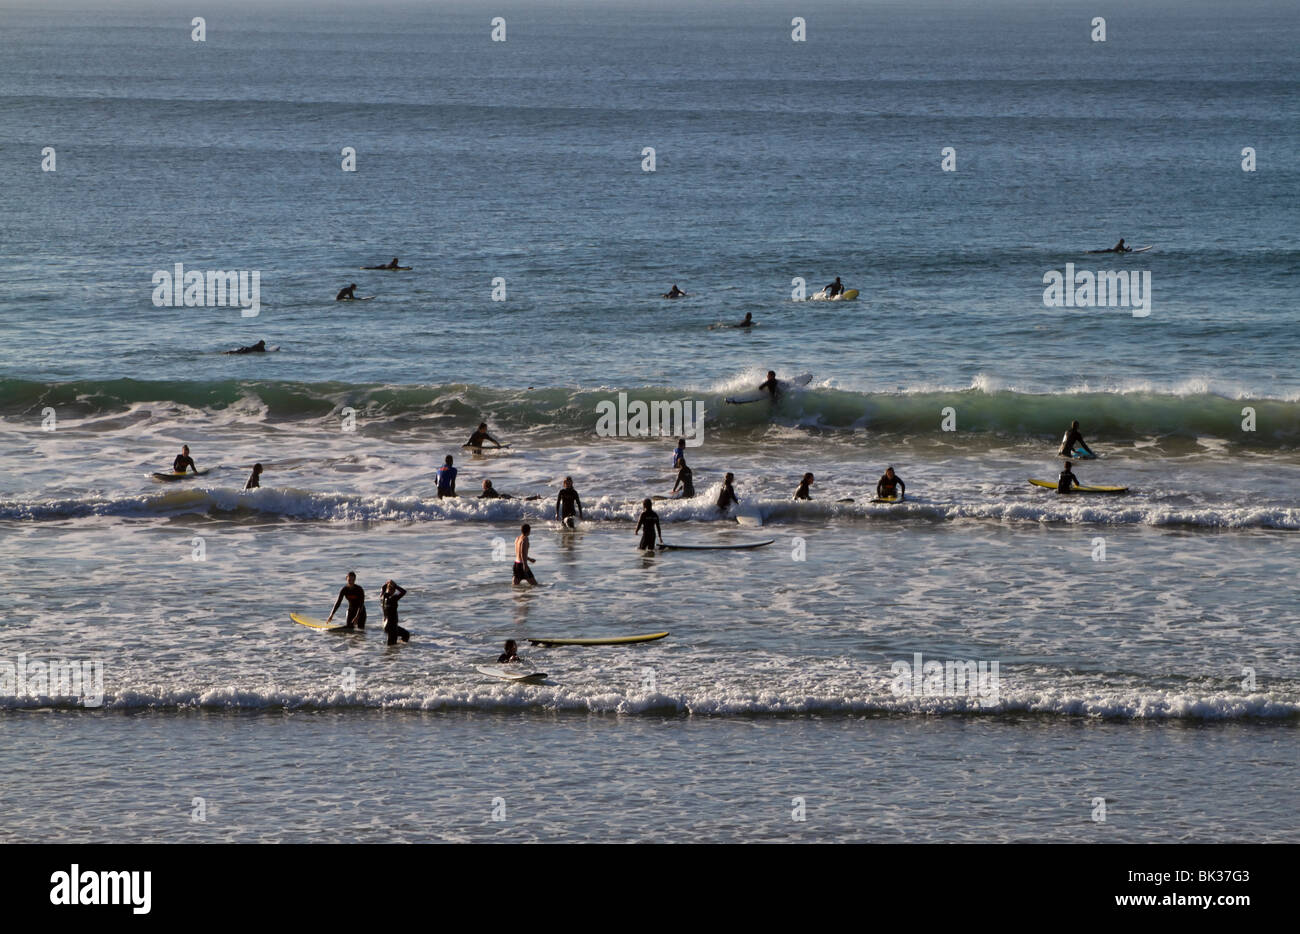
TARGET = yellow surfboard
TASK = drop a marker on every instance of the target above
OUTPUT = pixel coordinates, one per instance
(311, 622)
(624, 640)
(1081, 489)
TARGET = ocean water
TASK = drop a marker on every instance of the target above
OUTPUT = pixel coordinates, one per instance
(1144, 643)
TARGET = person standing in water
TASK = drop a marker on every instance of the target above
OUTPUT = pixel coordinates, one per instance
(255, 478)
(356, 598)
(648, 526)
(183, 461)
(446, 479)
(389, 594)
(728, 495)
(1072, 440)
(478, 437)
(674, 292)
(510, 655)
(685, 480)
(1067, 481)
(522, 559)
(567, 502)
(890, 484)
(804, 484)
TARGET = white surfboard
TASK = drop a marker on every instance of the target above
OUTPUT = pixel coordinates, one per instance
(516, 673)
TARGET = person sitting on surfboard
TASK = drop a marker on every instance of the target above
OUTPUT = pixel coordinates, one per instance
(479, 436)
(835, 288)
(674, 292)
(490, 492)
(446, 479)
(685, 480)
(679, 453)
(184, 461)
(748, 322)
(728, 494)
(259, 347)
(348, 294)
(566, 502)
(254, 479)
(770, 384)
(389, 594)
(1067, 480)
(356, 598)
(1072, 440)
(522, 571)
(511, 654)
(648, 525)
(804, 484)
(890, 484)
(1120, 247)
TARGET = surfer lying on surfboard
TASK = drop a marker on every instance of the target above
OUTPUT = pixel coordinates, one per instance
(392, 265)
(1072, 440)
(259, 347)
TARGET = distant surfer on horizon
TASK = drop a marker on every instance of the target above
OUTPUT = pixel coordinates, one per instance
(478, 437)
(389, 594)
(392, 265)
(446, 479)
(728, 494)
(1120, 247)
(255, 478)
(356, 598)
(804, 484)
(648, 525)
(1067, 480)
(347, 295)
(835, 288)
(674, 292)
(685, 480)
(748, 322)
(1073, 441)
(259, 347)
(890, 485)
(567, 502)
(522, 571)
(184, 461)
(490, 492)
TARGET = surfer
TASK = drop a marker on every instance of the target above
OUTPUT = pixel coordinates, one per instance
(392, 265)
(183, 461)
(890, 485)
(748, 322)
(1072, 440)
(567, 502)
(804, 484)
(478, 437)
(522, 571)
(490, 492)
(259, 347)
(1067, 480)
(356, 598)
(835, 288)
(679, 453)
(511, 654)
(728, 494)
(648, 525)
(685, 480)
(770, 385)
(446, 479)
(674, 292)
(1120, 247)
(255, 478)
(348, 294)
(389, 594)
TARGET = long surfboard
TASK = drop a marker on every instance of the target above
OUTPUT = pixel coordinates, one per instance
(1139, 249)
(171, 475)
(847, 295)
(667, 547)
(1081, 489)
(311, 622)
(624, 640)
(515, 673)
(758, 395)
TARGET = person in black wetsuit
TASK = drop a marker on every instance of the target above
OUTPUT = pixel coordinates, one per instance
(567, 502)
(511, 654)
(255, 478)
(685, 480)
(728, 494)
(890, 484)
(348, 294)
(479, 436)
(490, 492)
(674, 292)
(183, 461)
(748, 322)
(356, 598)
(804, 484)
(1072, 440)
(259, 347)
(389, 594)
(771, 384)
(648, 525)
(835, 288)
(1120, 247)
(1067, 480)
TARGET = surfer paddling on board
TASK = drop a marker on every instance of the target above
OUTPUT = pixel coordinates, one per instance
(392, 265)
(674, 292)
(685, 480)
(835, 288)
(183, 461)
(1073, 441)
(511, 654)
(804, 484)
(522, 571)
(356, 597)
(255, 478)
(1067, 480)
(259, 347)
(446, 479)
(478, 437)
(648, 525)
(890, 485)
(389, 594)
(728, 494)
(567, 503)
